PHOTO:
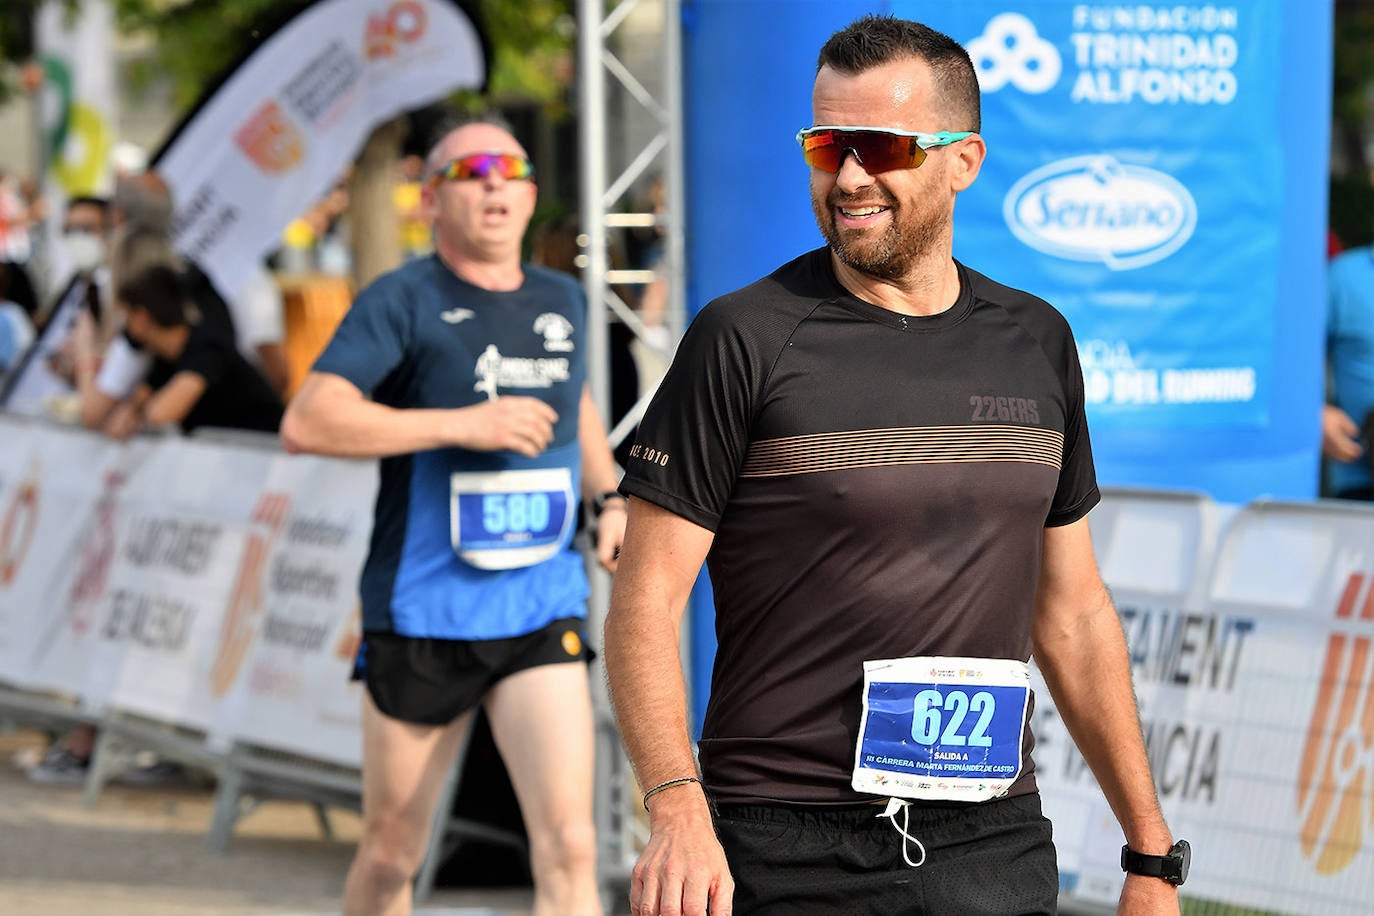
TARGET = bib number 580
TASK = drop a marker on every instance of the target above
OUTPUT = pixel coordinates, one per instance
(928, 717)
(515, 512)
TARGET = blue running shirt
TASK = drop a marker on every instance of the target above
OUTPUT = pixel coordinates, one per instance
(421, 337)
(1350, 352)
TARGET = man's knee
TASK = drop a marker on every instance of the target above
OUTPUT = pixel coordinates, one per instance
(392, 849)
(569, 846)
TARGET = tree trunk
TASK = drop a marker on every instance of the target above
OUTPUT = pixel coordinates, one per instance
(373, 224)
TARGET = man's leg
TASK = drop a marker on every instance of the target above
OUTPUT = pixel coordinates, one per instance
(404, 768)
(541, 719)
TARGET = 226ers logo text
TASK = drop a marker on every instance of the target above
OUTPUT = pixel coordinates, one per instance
(1336, 776)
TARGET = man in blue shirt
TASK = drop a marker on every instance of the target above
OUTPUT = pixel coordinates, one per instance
(465, 373)
(1346, 420)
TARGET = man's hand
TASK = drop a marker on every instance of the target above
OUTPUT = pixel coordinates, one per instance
(1145, 896)
(682, 870)
(123, 422)
(1340, 435)
(610, 533)
(509, 423)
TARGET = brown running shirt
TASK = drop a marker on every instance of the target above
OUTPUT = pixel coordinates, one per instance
(878, 486)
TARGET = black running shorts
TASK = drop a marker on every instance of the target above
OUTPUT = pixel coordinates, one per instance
(996, 858)
(433, 681)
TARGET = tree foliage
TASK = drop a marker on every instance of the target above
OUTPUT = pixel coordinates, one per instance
(198, 39)
(194, 41)
(1352, 81)
(1352, 103)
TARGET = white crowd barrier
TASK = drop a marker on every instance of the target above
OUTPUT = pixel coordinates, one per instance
(205, 592)
(197, 598)
(1252, 662)
(207, 585)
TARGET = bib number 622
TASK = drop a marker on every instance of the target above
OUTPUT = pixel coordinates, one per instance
(928, 717)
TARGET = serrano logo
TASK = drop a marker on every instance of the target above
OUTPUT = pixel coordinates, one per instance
(17, 531)
(271, 139)
(1011, 51)
(241, 617)
(1336, 776)
(1094, 208)
(403, 22)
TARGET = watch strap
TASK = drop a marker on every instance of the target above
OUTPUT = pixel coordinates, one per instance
(599, 503)
(1167, 867)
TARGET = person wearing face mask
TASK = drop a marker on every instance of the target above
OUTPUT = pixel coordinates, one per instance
(46, 373)
(84, 234)
(109, 364)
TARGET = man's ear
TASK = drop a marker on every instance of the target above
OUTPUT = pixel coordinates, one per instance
(968, 161)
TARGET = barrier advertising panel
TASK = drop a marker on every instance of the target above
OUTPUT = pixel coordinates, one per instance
(50, 484)
(178, 544)
(1258, 713)
(292, 626)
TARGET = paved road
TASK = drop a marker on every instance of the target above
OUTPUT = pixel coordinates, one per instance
(140, 852)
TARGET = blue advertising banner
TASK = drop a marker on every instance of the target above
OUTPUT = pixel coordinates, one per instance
(1158, 172)
(1124, 204)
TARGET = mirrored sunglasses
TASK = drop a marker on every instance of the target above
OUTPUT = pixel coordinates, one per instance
(877, 149)
(480, 165)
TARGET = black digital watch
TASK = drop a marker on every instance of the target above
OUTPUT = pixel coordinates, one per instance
(1172, 867)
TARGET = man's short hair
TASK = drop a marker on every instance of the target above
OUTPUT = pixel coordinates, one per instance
(876, 40)
(86, 201)
(159, 292)
(434, 160)
(145, 200)
(133, 249)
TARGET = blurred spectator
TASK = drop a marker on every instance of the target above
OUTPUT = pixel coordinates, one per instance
(199, 378)
(45, 374)
(557, 244)
(18, 288)
(260, 327)
(15, 220)
(316, 241)
(644, 250)
(141, 212)
(1334, 245)
(414, 216)
(1348, 418)
(127, 159)
(16, 318)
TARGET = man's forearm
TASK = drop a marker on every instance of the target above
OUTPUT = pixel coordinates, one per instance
(357, 428)
(644, 670)
(1088, 672)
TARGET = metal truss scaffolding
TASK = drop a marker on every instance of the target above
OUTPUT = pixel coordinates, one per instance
(630, 107)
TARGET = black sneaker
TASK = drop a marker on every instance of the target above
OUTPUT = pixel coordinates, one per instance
(157, 773)
(60, 767)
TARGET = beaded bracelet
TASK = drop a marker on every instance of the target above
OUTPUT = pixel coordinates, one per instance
(680, 781)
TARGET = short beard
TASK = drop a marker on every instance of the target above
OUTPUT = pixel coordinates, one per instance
(888, 257)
